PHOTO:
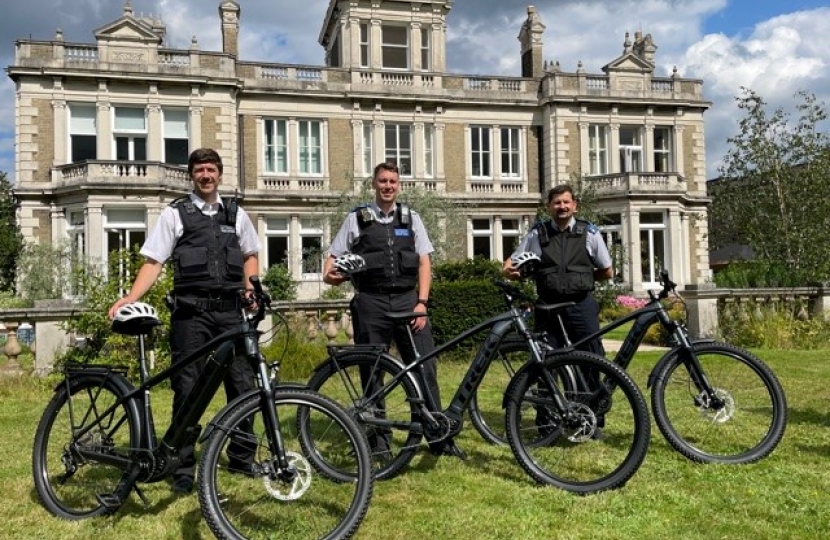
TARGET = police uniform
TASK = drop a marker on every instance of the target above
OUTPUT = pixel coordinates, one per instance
(391, 245)
(207, 244)
(566, 274)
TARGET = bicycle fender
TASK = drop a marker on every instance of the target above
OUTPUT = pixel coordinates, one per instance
(398, 364)
(509, 391)
(123, 383)
(666, 358)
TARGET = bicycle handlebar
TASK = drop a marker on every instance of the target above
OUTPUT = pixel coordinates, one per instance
(262, 299)
(511, 292)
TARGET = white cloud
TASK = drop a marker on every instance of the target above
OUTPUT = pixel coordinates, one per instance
(779, 58)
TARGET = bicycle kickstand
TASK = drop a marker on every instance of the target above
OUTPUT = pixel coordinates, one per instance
(113, 501)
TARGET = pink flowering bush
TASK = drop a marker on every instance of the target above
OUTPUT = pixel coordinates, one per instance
(630, 303)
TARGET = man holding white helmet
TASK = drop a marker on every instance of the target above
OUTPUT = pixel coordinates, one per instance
(396, 275)
(572, 257)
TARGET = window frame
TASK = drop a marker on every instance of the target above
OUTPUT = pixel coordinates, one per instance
(309, 155)
(397, 154)
(598, 149)
(663, 154)
(130, 135)
(79, 130)
(481, 152)
(278, 152)
(392, 48)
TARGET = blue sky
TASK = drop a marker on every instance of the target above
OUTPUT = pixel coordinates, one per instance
(773, 47)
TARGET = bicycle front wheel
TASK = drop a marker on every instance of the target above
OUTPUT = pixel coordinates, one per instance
(68, 484)
(745, 421)
(388, 422)
(265, 501)
(589, 443)
(486, 407)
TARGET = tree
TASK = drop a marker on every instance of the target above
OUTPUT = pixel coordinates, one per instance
(772, 191)
(11, 241)
(443, 218)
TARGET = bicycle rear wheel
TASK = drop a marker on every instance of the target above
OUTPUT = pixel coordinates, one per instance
(590, 445)
(266, 502)
(387, 423)
(486, 407)
(745, 424)
(67, 484)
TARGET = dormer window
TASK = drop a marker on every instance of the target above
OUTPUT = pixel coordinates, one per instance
(395, 47)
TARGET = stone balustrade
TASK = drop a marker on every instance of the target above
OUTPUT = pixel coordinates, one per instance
(706, 306)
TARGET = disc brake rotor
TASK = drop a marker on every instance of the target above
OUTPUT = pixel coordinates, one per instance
(719, 415)
(291, 491)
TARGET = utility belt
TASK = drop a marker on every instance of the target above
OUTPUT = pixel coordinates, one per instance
(205, 301)
(385, 290)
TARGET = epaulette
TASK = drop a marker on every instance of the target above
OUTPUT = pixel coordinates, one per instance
(185, 202)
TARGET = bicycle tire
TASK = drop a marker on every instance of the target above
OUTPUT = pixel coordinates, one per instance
(565, 450)
(391, 449)
(486, 408)
(67, 485)
(746, 429)
(264, 503)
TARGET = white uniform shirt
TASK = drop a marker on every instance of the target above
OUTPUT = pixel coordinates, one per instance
(164, 236)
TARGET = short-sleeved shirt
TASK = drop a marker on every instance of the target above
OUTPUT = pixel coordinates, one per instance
(164, 236)
(350, 230)
(597, 250)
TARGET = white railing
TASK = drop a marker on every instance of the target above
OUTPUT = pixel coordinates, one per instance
(174, 59)
(293, 184)
(80, 53)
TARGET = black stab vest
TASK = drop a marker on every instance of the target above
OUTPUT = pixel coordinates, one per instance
(208, 255)
(566, 268)
(389, 251)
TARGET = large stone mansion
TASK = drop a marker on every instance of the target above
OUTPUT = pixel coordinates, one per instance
(103, 129)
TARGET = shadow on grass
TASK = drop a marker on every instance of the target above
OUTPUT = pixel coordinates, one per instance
(808, 417)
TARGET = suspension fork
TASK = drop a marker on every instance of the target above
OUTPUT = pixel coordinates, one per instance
(693, 366)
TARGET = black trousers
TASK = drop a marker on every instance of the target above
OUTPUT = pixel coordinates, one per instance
(190, 328)
(371, 327)
(579, 321)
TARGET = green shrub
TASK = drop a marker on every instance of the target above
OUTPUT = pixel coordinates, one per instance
(759, 274)
(455, 307)
(279, 283)
(475, 269)
(772, 328)
(102, 346)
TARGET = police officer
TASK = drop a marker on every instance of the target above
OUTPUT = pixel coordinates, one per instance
(394, 243)
(213, 246)
(573, 256)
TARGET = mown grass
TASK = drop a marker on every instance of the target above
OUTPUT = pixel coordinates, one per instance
(489, 497)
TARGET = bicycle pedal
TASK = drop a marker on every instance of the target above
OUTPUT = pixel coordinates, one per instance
(109, 501)
(144, 500)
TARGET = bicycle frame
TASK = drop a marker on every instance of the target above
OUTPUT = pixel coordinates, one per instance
(652, 313)
(218, 354)
(499, 325)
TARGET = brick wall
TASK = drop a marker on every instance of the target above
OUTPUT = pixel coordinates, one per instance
(43, 231)
(250, 148)
(44, 141)
(210, 127)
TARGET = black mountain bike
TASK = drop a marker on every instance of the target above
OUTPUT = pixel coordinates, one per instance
(552, 422)
(712, 401)
(96, 442)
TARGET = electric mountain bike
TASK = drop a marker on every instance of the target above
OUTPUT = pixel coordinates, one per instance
(96, 443)
(712, 401)
(553, 423)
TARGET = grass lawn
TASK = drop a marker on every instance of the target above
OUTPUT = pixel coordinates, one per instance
(488, 497)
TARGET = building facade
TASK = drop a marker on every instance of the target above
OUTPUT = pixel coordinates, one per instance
(103, 130)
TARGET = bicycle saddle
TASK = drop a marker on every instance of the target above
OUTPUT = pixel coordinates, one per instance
(135, 319)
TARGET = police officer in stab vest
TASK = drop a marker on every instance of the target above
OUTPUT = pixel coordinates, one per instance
(392, 240)
(574, 256)
(213, 247)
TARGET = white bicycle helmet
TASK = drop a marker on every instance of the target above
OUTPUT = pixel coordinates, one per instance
(350, 263)
(525, 262)
(135, 319)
